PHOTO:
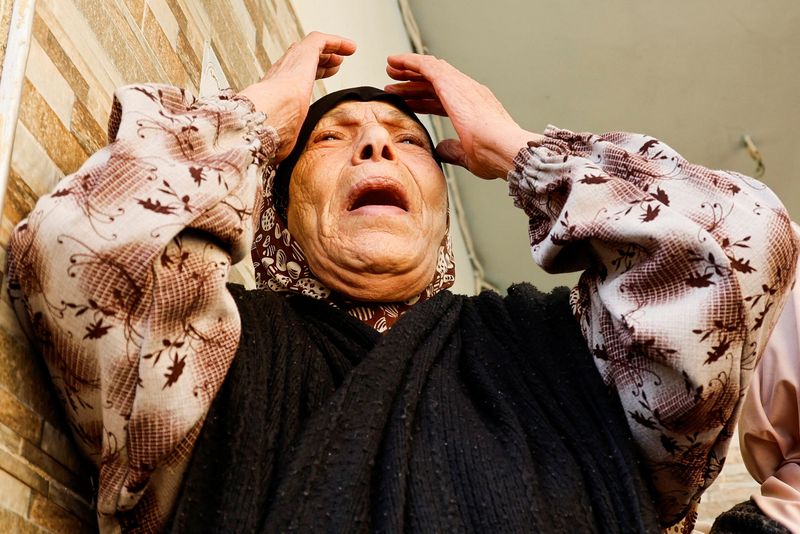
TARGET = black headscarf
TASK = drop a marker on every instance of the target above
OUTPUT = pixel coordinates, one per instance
(280, 190)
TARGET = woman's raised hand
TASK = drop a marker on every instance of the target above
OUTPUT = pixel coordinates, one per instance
(488, 138)
(284, 93)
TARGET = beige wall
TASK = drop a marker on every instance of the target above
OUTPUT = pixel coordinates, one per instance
(81, 51)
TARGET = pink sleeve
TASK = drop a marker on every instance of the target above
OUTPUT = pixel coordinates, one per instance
(770, 424)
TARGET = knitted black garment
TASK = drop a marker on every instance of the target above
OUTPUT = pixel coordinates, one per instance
(747, 518)
(472, 414)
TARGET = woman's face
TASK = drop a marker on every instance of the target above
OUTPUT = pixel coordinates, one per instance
(368, 203)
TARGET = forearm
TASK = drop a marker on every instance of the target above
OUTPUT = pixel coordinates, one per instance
(685, 269)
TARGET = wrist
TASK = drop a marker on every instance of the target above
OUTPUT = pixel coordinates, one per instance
(281, 113)
(510, 144)
(256, 93)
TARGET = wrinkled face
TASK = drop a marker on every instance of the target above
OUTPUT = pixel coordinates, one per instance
(368, 203)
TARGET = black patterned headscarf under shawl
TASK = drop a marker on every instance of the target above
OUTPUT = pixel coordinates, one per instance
(279, 261)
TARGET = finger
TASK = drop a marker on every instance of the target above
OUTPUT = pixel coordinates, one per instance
(330, 60)
(451, 151)
(326, 72)
(413, 62)
(404, 75)
(423, 90)
(429, 67)
(430, 106)
(328, 43)
(341, 46)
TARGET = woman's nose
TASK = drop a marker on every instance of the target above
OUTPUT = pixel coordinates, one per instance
(375, 143)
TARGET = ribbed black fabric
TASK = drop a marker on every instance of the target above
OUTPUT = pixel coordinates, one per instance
(472, 414)
(747, 518)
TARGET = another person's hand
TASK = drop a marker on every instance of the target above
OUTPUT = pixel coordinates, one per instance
(488, 138)
(284, 93)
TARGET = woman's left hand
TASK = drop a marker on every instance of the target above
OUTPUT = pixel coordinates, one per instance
(285, 91)
(488, 138)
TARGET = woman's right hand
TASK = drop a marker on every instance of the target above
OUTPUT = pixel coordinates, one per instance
(284, 93)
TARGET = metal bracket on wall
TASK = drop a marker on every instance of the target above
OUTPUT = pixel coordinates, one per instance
(755, 155)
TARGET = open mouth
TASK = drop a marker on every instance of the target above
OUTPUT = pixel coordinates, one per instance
(377, 193)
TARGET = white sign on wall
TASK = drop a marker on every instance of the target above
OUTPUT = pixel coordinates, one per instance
(212, 78)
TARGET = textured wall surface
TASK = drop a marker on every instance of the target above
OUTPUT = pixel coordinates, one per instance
(81, 51)
(5, 18)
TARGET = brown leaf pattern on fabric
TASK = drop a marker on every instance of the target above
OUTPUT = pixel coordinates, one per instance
(120, 275)
(692, 267)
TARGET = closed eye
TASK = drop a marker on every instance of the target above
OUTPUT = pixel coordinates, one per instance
(327, 136)
(412, 140)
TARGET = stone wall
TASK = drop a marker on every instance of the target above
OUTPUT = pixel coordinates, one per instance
(5, 19)
(81, 51)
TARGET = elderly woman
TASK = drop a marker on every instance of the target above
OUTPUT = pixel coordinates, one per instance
(352, 392)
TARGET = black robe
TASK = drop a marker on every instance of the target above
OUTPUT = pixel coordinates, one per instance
(472, 414)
